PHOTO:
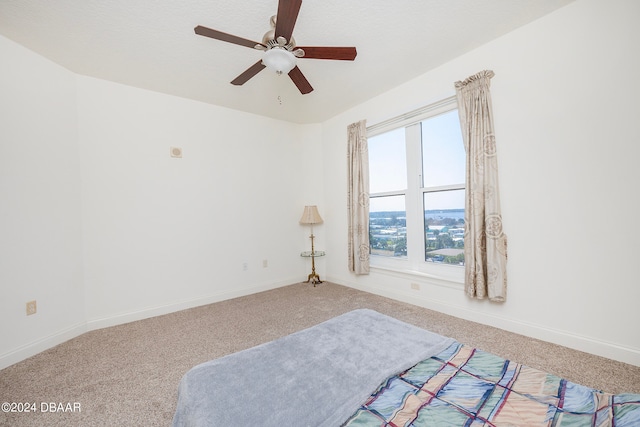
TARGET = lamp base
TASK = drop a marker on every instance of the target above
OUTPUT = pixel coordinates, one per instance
(313, 278)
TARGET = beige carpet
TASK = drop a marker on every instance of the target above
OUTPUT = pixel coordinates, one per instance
(128, 375)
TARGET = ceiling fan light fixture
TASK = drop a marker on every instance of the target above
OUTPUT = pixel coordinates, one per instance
(279, 59)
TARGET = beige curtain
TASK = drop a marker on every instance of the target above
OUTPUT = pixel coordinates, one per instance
(358, 198)
(485, 244)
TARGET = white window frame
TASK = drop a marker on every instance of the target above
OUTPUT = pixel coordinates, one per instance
(414, 264)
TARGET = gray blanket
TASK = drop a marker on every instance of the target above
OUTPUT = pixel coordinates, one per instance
(316, 377)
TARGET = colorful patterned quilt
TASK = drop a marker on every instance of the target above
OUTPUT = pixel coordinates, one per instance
(463, 386)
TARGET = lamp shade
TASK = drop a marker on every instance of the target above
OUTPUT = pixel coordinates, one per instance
(311, 215)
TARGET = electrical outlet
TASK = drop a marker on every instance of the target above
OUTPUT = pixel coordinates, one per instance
(245, 266)
(415, 286)
(31, 308)
(265, 263)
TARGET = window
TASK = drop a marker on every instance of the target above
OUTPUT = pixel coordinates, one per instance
(417, 189)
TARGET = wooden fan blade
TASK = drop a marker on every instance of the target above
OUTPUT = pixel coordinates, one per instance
(250, 72)
(338, 53)
(219, 35)
(300, 80)
(286, 18)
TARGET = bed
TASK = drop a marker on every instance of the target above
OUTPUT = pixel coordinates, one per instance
(365, 369)
(464, 386)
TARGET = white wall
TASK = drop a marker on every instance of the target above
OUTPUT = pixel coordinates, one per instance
(40, 221)
(162, 233)
(565, 103)
(101, 226)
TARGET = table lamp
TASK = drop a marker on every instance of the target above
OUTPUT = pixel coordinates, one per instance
(311, 216)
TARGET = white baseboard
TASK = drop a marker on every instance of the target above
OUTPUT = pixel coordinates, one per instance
(35, 347)
(556, 336)
(42, 344)
(147, 312)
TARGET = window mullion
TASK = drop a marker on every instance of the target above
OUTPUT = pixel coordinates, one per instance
(388, 193)
(415, 238)
(442, 188)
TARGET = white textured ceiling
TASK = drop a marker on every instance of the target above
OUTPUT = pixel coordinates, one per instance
(151, 44)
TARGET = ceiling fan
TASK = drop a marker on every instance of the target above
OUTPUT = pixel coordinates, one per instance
(280, 50)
